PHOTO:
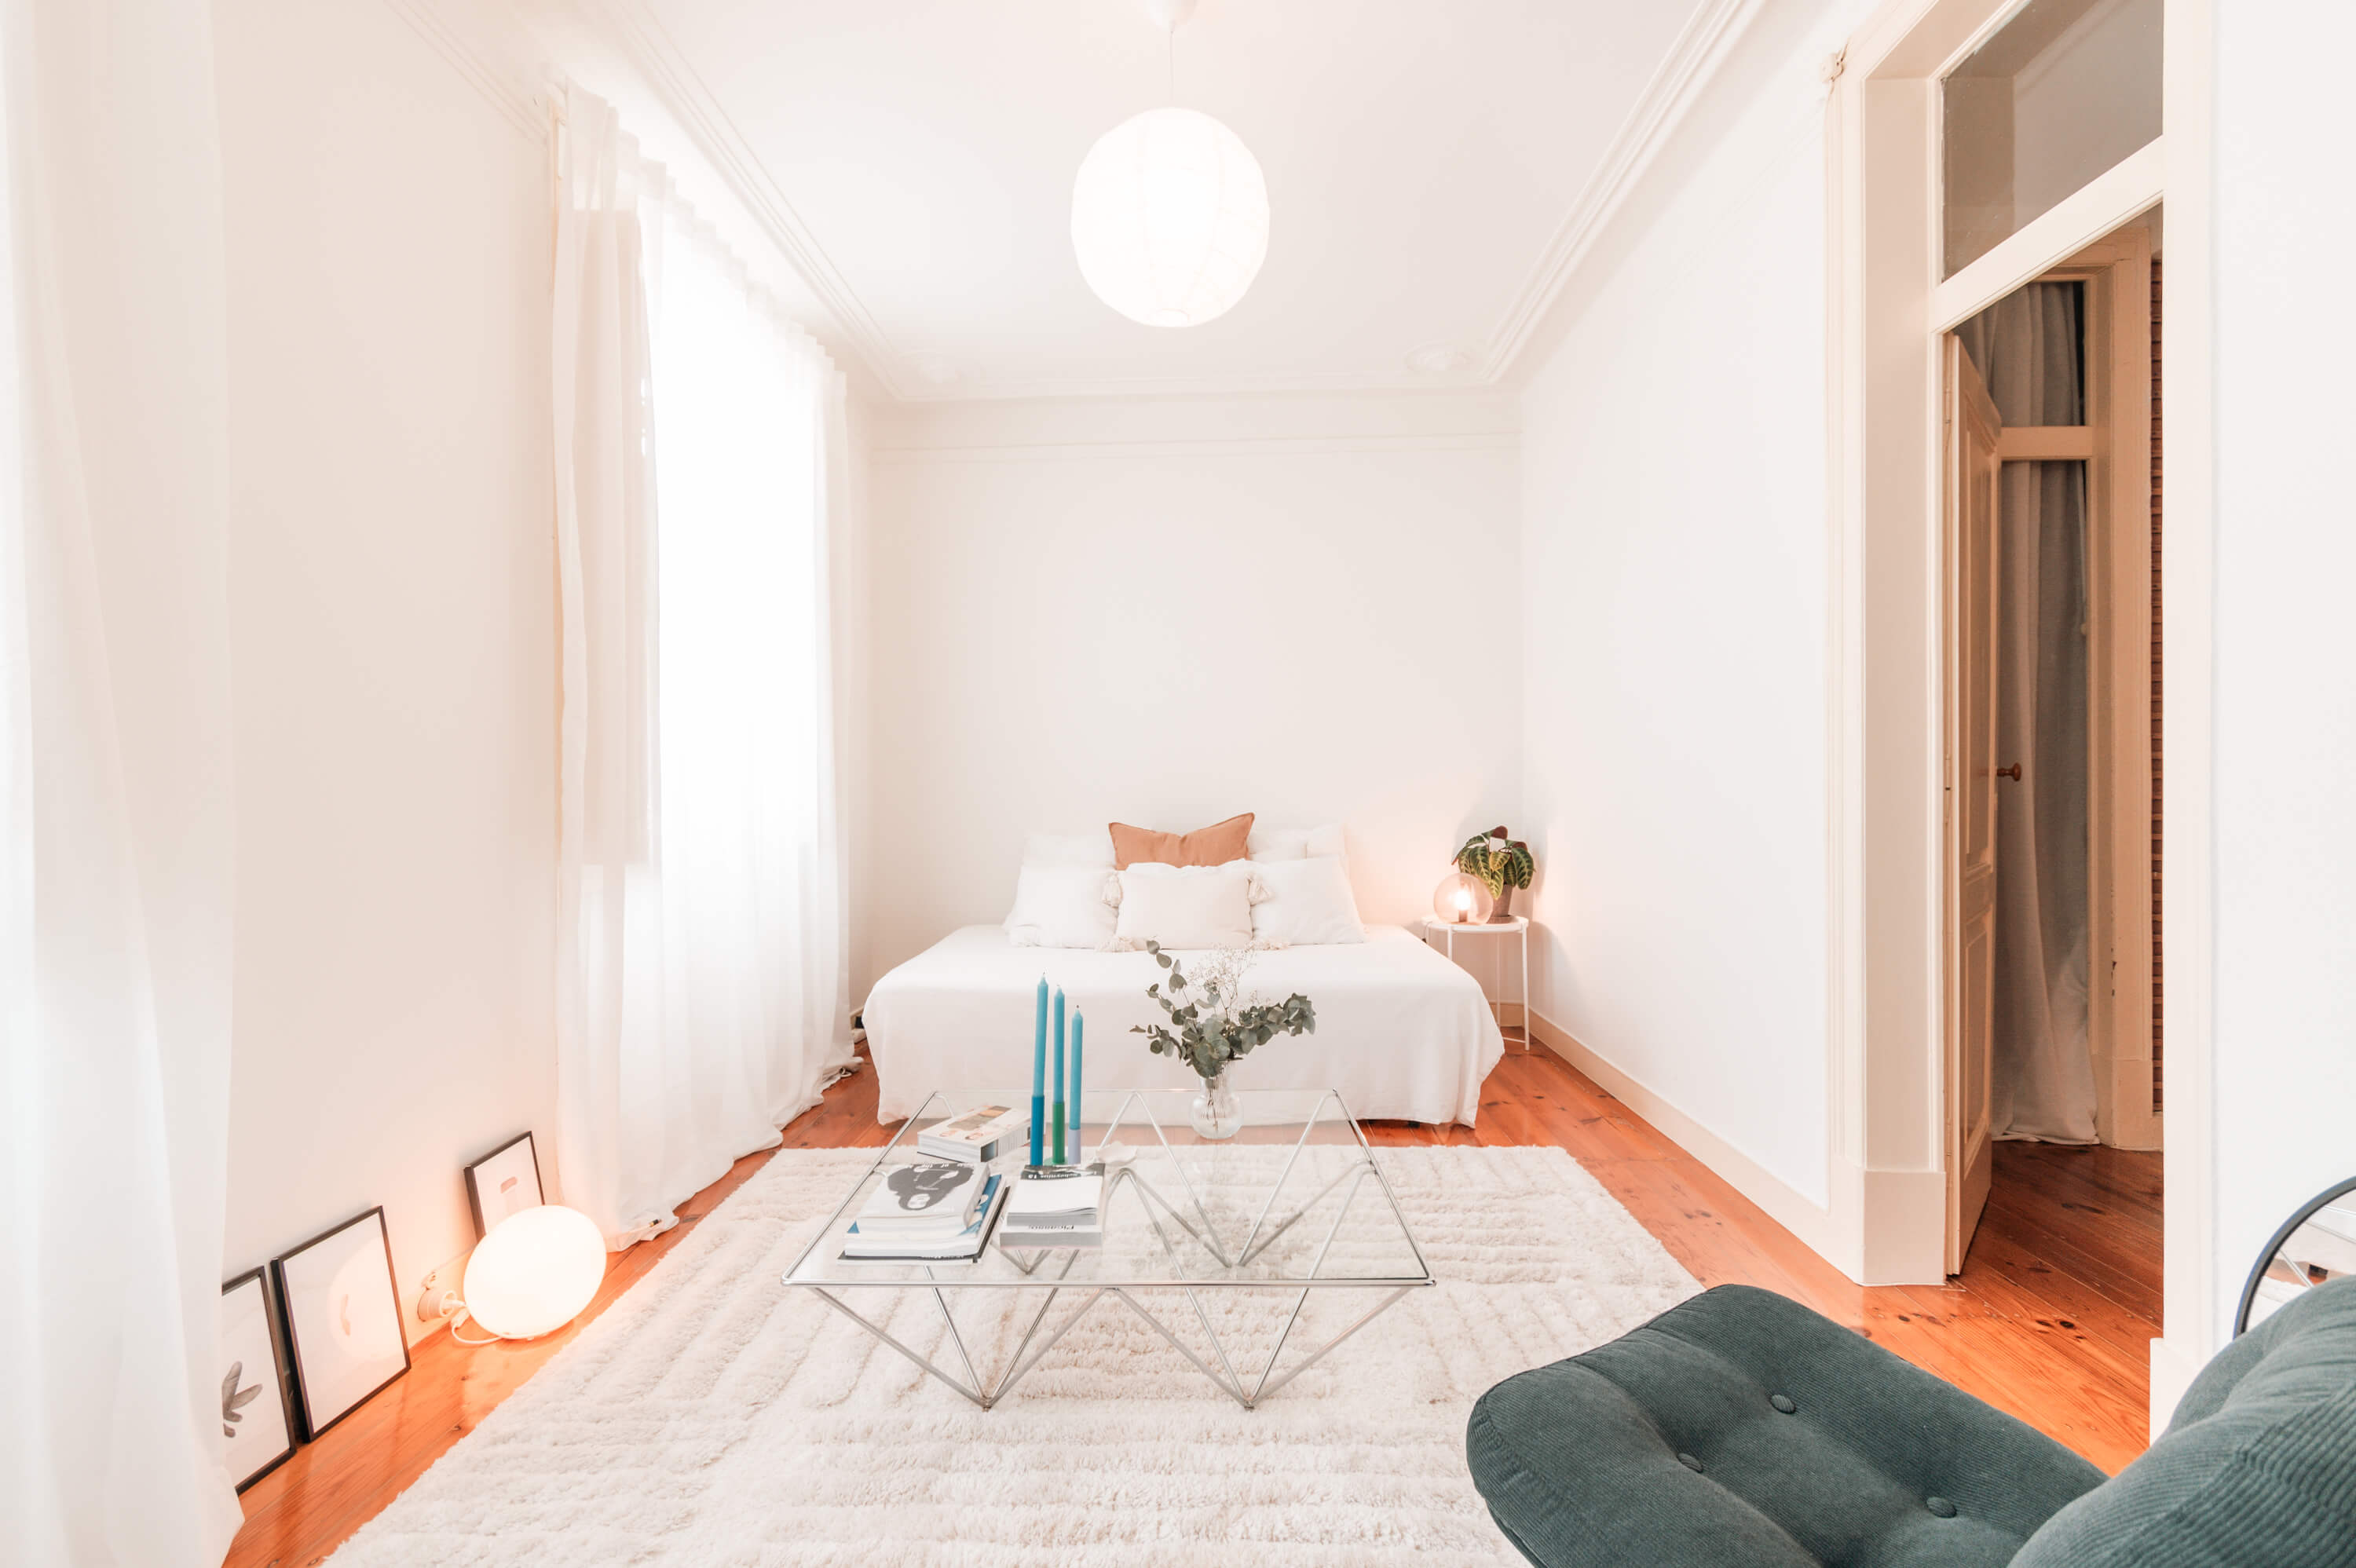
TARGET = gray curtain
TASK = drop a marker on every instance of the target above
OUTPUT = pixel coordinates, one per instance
(2026, 349)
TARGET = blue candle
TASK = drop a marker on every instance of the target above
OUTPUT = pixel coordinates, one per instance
(1080, 1105)
(1059, 1075)
(1039, 1078)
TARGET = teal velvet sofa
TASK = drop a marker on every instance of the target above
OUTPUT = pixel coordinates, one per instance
(1741, 1430)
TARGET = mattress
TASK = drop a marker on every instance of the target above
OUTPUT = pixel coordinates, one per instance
(1402, 1032)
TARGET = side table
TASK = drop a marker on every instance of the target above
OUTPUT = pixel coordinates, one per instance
(1517, 927)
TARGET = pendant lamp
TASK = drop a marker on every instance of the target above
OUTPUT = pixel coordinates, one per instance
(1170, 212)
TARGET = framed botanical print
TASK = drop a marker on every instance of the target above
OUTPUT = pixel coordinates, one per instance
(257, 1413)
(343, 1320)
(503, 1181)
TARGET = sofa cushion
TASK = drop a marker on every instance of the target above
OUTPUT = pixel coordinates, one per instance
(2258, 1465)
(1742, 1429)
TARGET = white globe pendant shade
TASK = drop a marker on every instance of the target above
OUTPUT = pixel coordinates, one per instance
(1170, 218)
(535, 1273)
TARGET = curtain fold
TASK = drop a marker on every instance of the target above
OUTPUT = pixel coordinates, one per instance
(2027, 347)
(114, 787)
(703, 977)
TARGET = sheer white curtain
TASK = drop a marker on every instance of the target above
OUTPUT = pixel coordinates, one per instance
(703, 979)
(115, 812)
(2026, 347)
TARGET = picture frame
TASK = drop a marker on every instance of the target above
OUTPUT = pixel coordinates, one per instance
(257, 1408)
(502, 1182)
(343, 1320)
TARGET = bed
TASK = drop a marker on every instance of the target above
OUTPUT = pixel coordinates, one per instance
(1402, 1032)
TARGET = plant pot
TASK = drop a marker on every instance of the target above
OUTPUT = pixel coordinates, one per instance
(1503, 913)
(1215, 1111)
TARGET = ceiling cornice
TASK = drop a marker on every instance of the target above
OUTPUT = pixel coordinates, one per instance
(1337, 381)
(499, 78)
(707, 124)
(1659, 109)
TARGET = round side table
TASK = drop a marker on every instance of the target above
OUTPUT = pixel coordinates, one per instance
(1518, 928)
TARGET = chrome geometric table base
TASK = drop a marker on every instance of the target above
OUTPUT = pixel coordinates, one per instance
(1198, 1229)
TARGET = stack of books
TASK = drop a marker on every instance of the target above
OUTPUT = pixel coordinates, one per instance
(1056, 1206)
(939, 1212)
(975, 1137)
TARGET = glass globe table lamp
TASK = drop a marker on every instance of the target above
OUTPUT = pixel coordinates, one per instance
(1462, 900)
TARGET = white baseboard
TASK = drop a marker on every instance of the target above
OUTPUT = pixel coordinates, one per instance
(1816, 1226)
(2172, 1371)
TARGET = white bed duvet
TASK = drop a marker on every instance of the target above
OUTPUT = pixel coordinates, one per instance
(1401, 1031)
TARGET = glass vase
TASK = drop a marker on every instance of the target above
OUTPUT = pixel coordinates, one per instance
(1214, 1111)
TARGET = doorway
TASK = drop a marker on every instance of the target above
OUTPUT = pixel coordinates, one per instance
(2053, 701)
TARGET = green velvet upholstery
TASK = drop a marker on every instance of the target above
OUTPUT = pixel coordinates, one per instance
(1741, 1430)
(1876, 1464)
(2258, 1465)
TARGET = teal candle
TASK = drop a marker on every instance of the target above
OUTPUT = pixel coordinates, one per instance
(1059, 1075)
(1079, 1104)
(1039, 1078)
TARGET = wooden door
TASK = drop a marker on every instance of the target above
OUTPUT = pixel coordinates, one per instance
(1973, 430)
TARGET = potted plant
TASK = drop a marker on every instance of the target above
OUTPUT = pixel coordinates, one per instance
(1215, 1020)
(1502, 864)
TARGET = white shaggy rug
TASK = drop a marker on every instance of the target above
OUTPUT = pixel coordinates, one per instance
(713, 1418)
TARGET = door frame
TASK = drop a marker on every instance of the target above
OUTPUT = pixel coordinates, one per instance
(1886, 308)
(2116, 272)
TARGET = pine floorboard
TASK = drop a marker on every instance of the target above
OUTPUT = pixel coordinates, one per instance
(2051, 1319)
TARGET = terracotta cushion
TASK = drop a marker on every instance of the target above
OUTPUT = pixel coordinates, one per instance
(1213, 846)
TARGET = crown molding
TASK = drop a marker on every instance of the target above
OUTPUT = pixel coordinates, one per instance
(1335, 381)
(699, 112)
(907, 455)
(500, 79)
(1659, 109)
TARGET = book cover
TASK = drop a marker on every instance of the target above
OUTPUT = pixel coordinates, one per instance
(935, 1195)
(958, 1246)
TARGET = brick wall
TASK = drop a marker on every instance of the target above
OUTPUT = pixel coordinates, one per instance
(2157, 1026)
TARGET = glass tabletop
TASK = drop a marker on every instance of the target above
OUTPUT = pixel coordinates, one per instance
(1296, 1199)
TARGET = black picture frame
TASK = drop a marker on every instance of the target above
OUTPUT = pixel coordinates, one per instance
(318, 1410)
(2306, 1211)
(235, 1397)
(474, 1180)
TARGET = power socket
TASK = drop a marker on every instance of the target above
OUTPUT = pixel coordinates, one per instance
(436, 1302)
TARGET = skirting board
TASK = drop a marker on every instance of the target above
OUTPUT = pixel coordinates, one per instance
(2172, 1372)
(1815, 1225)
(1881, 1227)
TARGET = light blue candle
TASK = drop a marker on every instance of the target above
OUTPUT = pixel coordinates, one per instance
(1079, 1104)
(1039, 1079)
(1059, 1075)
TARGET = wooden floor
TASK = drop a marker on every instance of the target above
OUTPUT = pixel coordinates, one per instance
(2050, 1318)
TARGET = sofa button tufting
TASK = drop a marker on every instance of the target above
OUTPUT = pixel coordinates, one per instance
(1781, 1401)
(1941, 1506)
(1690, 1463)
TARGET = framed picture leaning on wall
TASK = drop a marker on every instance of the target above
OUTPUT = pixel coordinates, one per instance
(503, 1182)
(343, 1320)
(257, 1412)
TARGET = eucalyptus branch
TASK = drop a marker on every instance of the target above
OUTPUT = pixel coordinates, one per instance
(1214, 1019)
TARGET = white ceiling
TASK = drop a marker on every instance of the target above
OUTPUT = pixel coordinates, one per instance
(1432, 167)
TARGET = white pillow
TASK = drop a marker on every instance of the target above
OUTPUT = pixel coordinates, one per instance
(1308, 902)
(1068, 849)
(1063, 906)
(1187, 907)
(1296, 843)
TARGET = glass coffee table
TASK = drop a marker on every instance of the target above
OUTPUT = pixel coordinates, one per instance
(1285, 1237)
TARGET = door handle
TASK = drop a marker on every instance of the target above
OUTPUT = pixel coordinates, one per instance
(2012, 773)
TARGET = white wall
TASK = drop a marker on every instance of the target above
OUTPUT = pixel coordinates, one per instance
(2285, 703)
(1167, 612)
(393, 628)
(1675, 539)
